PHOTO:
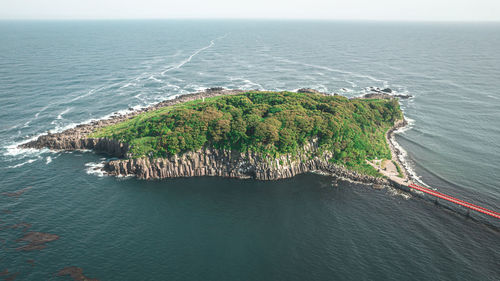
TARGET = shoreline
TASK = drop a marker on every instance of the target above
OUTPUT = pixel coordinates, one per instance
(207, 161)
(69, 139)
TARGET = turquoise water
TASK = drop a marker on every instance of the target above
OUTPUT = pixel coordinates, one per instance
(54, 75)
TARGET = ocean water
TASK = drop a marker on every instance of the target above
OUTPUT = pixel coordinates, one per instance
(54, 75)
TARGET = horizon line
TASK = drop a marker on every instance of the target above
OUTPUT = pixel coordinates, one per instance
(255, 19)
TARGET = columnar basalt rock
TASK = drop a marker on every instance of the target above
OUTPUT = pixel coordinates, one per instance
(226, 163)
(76, 142)
(77, 138)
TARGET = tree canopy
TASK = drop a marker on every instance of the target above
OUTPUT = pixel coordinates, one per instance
(272, 123)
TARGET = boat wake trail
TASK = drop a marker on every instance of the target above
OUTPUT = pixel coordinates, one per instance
(182, 63)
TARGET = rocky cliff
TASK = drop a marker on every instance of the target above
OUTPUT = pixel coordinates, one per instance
(226, 163)
(75, 142)
(77, 138)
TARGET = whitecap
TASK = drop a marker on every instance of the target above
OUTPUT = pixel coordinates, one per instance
(247, 84)
(14, 149)
(24, 163)
(411, 123)
(60, 116)
(124, 177)
(95, 168)
(127, 85)
(152, 77)
(398, 192)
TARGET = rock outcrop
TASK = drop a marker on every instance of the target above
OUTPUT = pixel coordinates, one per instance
(309, 91)
(63, 141)
(78, 138)
(386, 93)
(226, 163)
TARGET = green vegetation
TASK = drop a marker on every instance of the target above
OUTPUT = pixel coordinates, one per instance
(400, 173)
(272, 123)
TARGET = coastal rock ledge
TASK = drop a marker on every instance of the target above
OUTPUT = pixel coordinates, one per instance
(231, 164)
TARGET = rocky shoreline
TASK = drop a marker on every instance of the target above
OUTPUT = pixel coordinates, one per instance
(206, 161)
(77, 138)
(232, 164)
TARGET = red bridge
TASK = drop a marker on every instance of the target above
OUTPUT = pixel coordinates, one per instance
(455, 200)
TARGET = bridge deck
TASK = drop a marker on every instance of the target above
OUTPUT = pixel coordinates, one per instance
(455, 200)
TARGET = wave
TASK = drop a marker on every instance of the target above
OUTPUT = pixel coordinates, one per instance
(14, 150)
(127, 85)
(93, 91)
(247, 84)
(152, 77)
(134, 82)
(492, 97)
(24, 163)
(409, 126)
(27, 123)
(398, 192)
(60, 116)
(354, 85)
(353, 74)
(95, 168)
(403, 158)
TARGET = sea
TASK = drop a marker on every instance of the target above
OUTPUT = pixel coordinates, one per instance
(57, 74)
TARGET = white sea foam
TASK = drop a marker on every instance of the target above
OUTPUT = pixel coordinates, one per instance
(397, 192)
(403, 159)
(72, 125)
(247, 84)
(24, 163)
(127, 85)
(174, 78)
(27, 123)
(91, 92)
(95, 168)
(48, 160)
(410, 125)
(347, 90)
(182, 63)
(60, 116)
(14, 150)
(354, 85)
(152, 77)
(321, 88)
(41, 110)
(173, 86)
(95, 90)
(352, 74)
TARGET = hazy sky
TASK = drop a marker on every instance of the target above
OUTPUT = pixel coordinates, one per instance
(427, 10)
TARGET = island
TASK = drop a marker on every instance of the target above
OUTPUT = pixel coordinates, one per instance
(263, 135)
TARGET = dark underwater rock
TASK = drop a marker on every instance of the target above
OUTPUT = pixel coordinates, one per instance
(76, 273)
(37, 240)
